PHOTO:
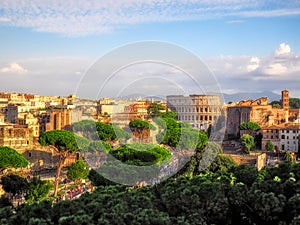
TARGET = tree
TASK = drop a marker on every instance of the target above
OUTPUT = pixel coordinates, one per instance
(294, 103)
(180, 135)
(99, 146)
(38, 189)
(14, 184)
(246, 174)
(109, 132)
(247, 142)
(154, 110)
(78, 170)
(141, 128)
(11, 158)
(141, 154)
(276, 105)
(269, 146)
(251, 127)
(289, 157)
(65, 143)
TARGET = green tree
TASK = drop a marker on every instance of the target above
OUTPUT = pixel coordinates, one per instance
(269, 146)
(109, 132)
(141, 154)
(65, 143)
(276, 105)
(154, 110)
(251, 127)
(11, 158)
(179, 135)
(85, 128)
(140, 128)
(288, 157)
(99, 146)
(78, 170)
(294, 103)
(247, 142)
(38, 190)
(14, 184)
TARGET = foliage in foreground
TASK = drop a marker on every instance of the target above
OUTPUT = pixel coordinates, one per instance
(11, 158)
(239, 195)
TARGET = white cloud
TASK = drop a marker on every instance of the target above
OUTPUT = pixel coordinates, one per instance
(275, 69)
(284, 49)
(81, 17)
(279, 70)
(46, 76)
(3, 19)
(235, 21)
(13, 68)
(253, 64)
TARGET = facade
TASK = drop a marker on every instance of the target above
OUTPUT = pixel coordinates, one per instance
(198, 110)
(271, 133)
(59, 119)
(15, 136)
(260, 112)
(284, 137)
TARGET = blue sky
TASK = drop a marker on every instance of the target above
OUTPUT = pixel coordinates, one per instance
(47, 47)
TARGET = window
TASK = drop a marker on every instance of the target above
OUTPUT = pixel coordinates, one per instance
(282, 137)
(287, 131)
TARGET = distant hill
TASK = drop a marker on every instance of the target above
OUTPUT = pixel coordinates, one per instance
(227, 97)
(256, 95)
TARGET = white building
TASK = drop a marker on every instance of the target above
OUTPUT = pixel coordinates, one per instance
(289, 138)
(284, 137)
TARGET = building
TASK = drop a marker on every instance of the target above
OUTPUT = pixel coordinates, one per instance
(59, 119)
(260, 112)
(284, 137)
(15, 136)
(198, 110)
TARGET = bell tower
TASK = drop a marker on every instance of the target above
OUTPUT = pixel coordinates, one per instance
(285, 104)
(285, 99)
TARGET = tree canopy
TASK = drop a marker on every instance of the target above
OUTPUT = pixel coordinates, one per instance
(14, 184)
(240, 195)
(65, 142)
(250, 126)
(179, 135)
(294, 103)
(141, 154)
(78, 170)
(11, 158)
(247, 142)
(269, 145)
(154, 110)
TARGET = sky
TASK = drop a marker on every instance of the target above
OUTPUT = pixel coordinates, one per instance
(154, 47)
